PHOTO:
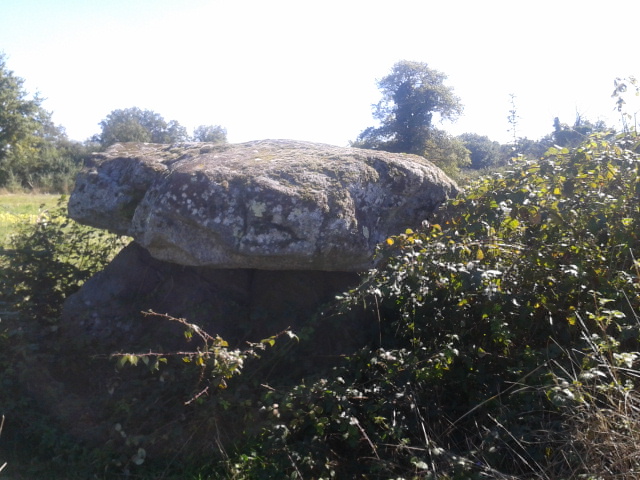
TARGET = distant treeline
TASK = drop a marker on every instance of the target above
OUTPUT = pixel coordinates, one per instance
(36, 154)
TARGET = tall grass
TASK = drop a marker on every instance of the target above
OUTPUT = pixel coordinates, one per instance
(602, 410)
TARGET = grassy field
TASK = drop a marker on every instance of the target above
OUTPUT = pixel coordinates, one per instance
(20, 207)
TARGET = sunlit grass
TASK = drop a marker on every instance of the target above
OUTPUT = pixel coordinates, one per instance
(18, 208)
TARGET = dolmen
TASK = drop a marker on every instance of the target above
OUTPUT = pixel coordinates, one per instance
(268, 205)
(244, 240)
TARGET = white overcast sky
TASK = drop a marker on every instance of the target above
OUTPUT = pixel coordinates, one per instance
(307, 69)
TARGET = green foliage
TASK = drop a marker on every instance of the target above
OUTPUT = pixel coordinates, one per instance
(602, 406)
(47, 260)
(447, 152)
(18, 114)
(34, 153)
(412, 94)
(482, 315)
(19, 208)
(508, 343)
(136, 125)
(484, 153)
(50, 165)
(210, 133)
(564, 135)
(44, 261)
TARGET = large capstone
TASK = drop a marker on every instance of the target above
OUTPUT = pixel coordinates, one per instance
(271, 204)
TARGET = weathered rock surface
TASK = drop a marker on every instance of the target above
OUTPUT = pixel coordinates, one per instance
(272, 204)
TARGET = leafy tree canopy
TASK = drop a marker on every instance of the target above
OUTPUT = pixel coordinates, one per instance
(136, 125)
(18, 113)
(412, 95)
(210, 133)
(34, 152)
(564, 135)
(484, 152)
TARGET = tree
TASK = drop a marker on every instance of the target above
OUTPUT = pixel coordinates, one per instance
(34, 152)
(136, 125)
(571, 136)
(413, 95)
(19, 115)
(446, 151)
(484, 152)
(17, 112)
(210, 133)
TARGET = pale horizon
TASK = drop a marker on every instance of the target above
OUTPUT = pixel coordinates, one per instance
(308, 71)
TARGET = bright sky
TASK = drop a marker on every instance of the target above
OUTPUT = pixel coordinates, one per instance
(307, 69)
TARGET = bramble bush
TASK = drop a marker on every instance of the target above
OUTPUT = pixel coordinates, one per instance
(509, 332)
(507, 345)
(48, 259)
(45, 259)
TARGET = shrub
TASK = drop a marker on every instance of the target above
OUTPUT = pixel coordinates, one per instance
(508, 340)
(43, 262)
(482, 314)
(49, 259)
